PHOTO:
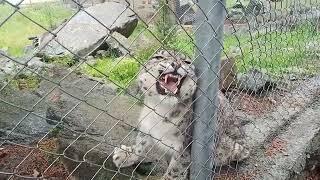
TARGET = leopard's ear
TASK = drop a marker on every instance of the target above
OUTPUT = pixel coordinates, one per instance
(192, 66)
(159, 54)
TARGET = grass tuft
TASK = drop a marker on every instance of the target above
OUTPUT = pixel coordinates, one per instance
(120, 71)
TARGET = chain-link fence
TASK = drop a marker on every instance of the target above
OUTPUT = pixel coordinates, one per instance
(148, 89)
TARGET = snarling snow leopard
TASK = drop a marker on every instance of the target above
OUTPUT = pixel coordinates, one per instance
(168, 82)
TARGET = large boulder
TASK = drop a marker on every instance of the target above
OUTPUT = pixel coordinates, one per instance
(9, 67)
(228, 73)
(228, 69)
(93, 119)
(87, 30)
(118, 43)
(187, 12)
(255, 81)
(16, 123)
(87, 117)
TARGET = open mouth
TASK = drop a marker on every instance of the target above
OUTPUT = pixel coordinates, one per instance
(170, 83)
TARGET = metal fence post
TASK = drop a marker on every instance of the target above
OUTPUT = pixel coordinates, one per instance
(209, 31)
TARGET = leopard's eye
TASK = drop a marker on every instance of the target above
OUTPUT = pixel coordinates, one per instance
(187, 62)
(182, 71)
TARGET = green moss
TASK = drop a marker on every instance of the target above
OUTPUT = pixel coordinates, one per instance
(25, 82)
(67, 61)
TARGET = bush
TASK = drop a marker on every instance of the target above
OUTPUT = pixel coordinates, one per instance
(124, 71)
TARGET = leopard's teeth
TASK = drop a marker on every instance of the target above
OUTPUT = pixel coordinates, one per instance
(179, 80)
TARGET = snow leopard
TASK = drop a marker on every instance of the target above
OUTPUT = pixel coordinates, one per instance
(168, 82)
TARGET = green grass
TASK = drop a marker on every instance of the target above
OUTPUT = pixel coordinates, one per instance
(140, 29)
(119, 71)
(15, 31)
(282, 4)
(179, 41)
(275, 51)
(183, 43)
(66, 61)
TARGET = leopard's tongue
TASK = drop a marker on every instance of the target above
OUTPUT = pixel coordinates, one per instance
(171, 86)
(171, 83)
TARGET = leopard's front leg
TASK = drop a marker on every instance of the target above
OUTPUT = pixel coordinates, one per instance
(179, 165)
(128, 155)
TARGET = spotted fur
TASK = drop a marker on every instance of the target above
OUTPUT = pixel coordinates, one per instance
(166, 118)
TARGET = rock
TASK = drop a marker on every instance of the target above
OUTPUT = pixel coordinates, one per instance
(236, 14)
(105, 119)
(255, 81)
(313, 46)
(36, 64)
(83, 34)
(3, 76)
(147, 9)
(187, 11)
(228, 69)
(255, 7)
(28, 49)
(294, 73)
(228, 73)
(87, 110)
(119, 43)
(299, 138)
(3, 52)
(133, 89)
(101, 53)
(146, 14)
(10, 67)
(32, 127)
(91, 60)
(144, 9)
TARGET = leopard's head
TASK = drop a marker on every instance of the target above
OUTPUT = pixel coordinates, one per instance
(169, 74)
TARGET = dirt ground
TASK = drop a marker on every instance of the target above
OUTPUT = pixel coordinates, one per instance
(32, 162)
(254, 105)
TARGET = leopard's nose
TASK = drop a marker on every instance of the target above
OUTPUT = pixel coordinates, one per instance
(175, 66)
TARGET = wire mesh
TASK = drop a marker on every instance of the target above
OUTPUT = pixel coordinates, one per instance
(148, 89)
